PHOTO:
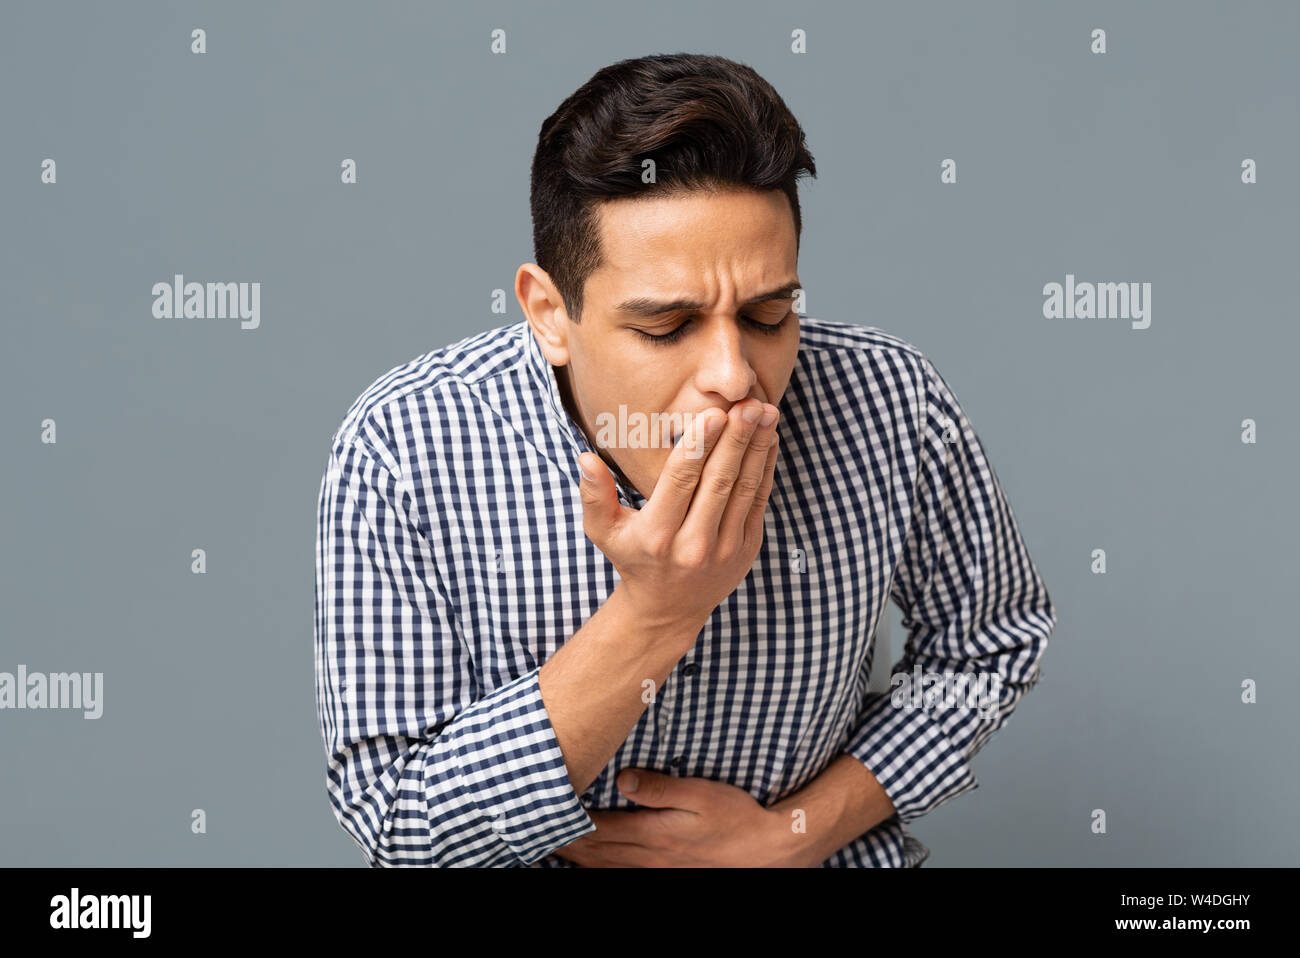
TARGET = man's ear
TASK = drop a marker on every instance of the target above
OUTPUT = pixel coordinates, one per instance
(543, 307)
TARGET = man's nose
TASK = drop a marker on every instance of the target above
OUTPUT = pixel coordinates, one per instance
(723, 367)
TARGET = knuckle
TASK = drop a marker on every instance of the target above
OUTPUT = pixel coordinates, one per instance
(658, 546)
(746, 486)
(739, 438)
(694, 557)
(682, 480)
(719, 485)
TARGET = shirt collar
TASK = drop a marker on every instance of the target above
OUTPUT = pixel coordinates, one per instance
(543, 376)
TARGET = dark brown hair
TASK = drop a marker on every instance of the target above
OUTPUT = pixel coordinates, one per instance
(706, 121)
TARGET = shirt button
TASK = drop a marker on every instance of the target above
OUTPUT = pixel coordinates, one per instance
(677, 762)
(690, 669)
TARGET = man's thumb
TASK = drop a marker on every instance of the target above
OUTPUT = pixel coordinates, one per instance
(599, 497)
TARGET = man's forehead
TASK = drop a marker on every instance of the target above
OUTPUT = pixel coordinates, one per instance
(632, 265)
(778, 294)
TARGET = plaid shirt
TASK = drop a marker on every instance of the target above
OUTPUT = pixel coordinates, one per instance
(452, 563)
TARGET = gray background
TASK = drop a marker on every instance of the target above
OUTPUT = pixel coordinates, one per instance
(176, 435)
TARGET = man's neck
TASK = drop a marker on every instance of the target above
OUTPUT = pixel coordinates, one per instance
(571, 407)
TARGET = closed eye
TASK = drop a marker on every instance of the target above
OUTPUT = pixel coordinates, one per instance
(770, 329)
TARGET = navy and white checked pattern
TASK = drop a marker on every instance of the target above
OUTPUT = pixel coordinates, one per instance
(452, 563)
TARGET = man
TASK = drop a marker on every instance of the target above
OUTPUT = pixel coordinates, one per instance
(547, 637)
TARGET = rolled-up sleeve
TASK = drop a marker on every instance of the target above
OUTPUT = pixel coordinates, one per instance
(972, 601)
(424, 767)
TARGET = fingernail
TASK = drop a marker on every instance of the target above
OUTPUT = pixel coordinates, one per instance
(583, 471)
(630, 782)
(751, 413)
(768, 418)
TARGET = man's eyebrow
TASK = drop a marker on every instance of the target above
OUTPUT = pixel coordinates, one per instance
(644, 306)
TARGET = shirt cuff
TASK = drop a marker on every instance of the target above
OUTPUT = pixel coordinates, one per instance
(911, 754)
(512, 768)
